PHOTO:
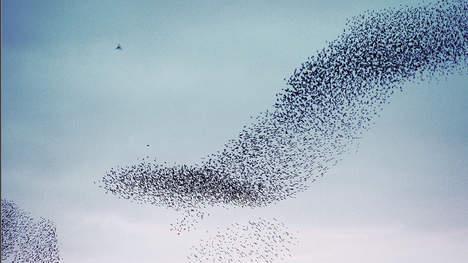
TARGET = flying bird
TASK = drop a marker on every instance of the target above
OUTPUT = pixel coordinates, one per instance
(118, 47)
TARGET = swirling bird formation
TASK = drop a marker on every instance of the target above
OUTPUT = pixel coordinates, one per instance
(330, 100)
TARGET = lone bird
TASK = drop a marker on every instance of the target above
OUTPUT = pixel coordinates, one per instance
(118, 47)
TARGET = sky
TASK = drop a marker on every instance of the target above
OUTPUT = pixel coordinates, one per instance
(190, 75)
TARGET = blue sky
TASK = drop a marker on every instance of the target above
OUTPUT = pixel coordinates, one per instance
(189, 76)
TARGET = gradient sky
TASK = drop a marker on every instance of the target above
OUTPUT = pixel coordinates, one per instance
(191, 73)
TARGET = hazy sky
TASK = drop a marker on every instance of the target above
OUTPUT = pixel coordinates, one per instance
(190, 74)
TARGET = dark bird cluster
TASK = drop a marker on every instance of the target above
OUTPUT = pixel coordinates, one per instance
(26, 239)
(329, 102)
(258, 240)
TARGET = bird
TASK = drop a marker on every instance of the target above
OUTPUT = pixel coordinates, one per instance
(119, 47)
(147, 145)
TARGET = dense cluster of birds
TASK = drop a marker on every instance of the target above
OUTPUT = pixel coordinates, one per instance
(258, 240)
(330, 100)
(27, 239)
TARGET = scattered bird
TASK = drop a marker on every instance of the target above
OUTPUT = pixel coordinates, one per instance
(118, 47)
(258, 240)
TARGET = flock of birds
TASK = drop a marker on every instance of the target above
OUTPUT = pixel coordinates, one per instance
(258, 240)
(330, 101)
(27, 239)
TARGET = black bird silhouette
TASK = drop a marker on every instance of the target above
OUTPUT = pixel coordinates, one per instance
(118, 47)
